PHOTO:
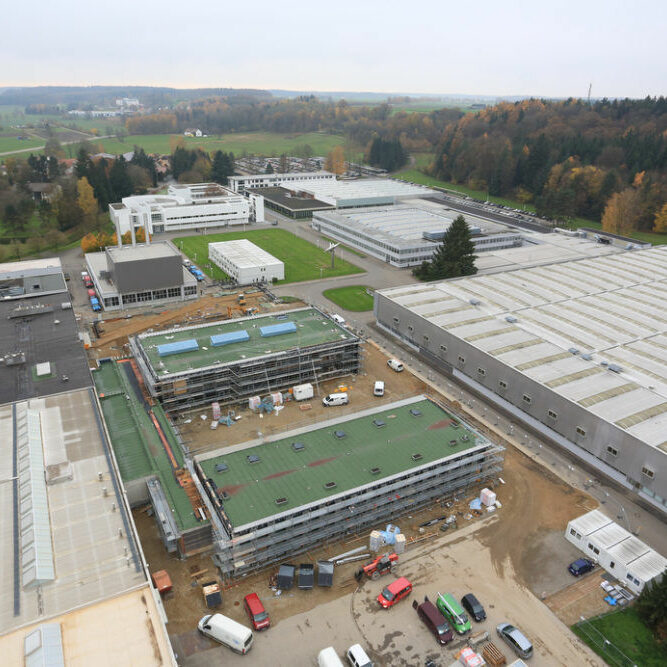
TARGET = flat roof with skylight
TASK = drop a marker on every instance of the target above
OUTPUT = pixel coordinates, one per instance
(307, 466)
(192, 348)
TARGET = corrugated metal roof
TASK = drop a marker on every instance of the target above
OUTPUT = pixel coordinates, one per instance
(590, 522)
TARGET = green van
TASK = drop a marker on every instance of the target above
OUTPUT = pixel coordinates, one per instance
(452, 610)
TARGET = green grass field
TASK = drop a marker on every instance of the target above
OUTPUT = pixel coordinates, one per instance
(624, 630)
(260, 143)
(9, 144)
(303, 260)
(354, 298)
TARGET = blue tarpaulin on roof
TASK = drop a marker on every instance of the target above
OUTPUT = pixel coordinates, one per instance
(231, 337)
(189, 345)
(278, 329)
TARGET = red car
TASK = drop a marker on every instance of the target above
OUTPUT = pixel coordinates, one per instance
(396, 591)
(91, 292)
(259, 617)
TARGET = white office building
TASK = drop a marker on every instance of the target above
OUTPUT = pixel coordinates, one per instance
(242, 183)
(245, 262)
(616, 550)
(404, 235)
(185, 208)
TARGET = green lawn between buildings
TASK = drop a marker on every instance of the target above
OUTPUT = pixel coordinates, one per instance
(303, 260)
(354, 297)
(627, 633)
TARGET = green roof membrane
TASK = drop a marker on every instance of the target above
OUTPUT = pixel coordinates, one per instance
(324, 462)
(136, 443)
(310, 327)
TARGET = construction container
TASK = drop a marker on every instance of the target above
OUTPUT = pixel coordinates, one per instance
(469, 658)
(216, 410)
(254, 402)
(277, 398)
(376, 541)
(302, 392)
(487, 497)
(161, 581)
(399, 545)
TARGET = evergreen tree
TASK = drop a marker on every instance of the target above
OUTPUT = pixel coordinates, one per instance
(455, 257)
(652, 605)
(269, 168)
(222, 167)
(120, 183)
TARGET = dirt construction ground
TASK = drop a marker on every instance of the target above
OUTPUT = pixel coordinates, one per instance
(499, 558)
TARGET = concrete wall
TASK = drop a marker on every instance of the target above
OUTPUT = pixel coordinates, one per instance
(460, 356)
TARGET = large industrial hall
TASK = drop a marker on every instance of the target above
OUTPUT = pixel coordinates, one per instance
(576, 349)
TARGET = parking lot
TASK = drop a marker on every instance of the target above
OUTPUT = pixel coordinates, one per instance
(458, 564)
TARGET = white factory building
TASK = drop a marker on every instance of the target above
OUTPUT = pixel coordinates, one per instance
(185, 208)
(359, 193)
(405, 234)
(616, 550)
(575, 349)
(242, 183)
(245, 262)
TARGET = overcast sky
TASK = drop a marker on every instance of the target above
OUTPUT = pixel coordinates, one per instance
(490, 47)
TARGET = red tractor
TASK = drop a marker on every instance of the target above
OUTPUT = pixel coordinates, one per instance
(376, 568)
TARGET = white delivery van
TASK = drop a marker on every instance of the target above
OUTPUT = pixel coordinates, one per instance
(328, 657)
(226, 631)
(395, 364)
(378, 388)
(337, 319)
(335, 399)
(357, 657)
(302, 392)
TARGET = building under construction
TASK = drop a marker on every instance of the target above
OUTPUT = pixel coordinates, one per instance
(274, 498)
(232, 360)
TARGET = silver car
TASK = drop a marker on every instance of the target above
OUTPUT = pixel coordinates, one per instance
(515, 639)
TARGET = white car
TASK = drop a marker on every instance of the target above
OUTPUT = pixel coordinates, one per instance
(395, 364)
(378, 388)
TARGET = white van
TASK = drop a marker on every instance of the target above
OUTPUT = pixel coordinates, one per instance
(395, 364)
(378, 388)
(337, 319)
(335, 399)
(357, 657)
(328, 657)
(226, 631)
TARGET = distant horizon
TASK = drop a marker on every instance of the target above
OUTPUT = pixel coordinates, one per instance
(359, 93)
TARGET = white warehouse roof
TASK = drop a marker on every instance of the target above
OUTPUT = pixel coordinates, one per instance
(592, 330)
(363, 192)
(244, 254)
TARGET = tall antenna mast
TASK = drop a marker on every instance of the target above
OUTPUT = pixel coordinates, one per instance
(590, 86)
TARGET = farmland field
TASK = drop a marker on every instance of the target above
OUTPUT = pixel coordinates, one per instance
(11, 143)
(352, 297)
(303, 260)
(259, 143)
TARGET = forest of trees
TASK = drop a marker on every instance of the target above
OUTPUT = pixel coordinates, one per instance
(387, 154)
(569, 158)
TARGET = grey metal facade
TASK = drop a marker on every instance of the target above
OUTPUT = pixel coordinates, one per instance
(454, 356)
(139, 275)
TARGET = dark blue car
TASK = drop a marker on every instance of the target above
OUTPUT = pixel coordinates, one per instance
(581, 566)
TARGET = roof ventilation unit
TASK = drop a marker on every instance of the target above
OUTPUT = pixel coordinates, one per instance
(221, 467)
(416, 412)
(253, 458)
(573, 350)
(375, 471)
(379, 423)
(587, 355)
(281, 501)
(511, 319)
(339, 434)
(474, 302)
(330, 485)
(615, 368)
(417, 457)
(298, 446)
